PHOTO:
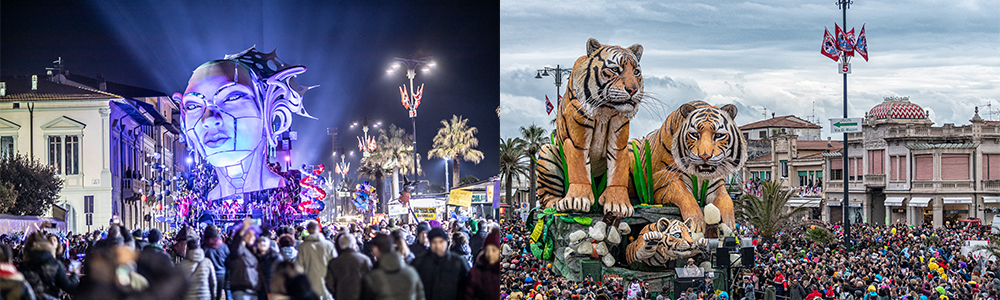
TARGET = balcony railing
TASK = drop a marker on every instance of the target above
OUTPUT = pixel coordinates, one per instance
(991, 185)
(875, 180)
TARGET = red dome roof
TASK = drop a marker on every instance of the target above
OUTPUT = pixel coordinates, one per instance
(897, 108)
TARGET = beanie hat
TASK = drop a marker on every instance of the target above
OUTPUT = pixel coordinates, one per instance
(423, 227)
(940, 290)
(493, 238)
(154, 236)
(871, 288)
(434, 223)
(437, 232)
(211, 231)
(137, 233)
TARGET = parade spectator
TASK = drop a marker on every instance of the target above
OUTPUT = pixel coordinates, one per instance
(420, 244)
(200, 272)
(345, 272)
(441, 271)
(314, 254)
(286, 244)
(289, 283)
(484, 278)
(244, 277)
(460, 247)
(478, 235)
(12, 283)
(138, 240)
(46, 275)
(267, 257)
(391, 278)
(218, 255)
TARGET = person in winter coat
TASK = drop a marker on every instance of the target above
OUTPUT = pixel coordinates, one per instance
(769, 293)
(44, 273)
(289, 283)
(484, 278)
(244, 278)
(391, 278)
(419, 246)
(345, 272)
(796, 291)
(286, 247)
(315, 253)
(478, 235)
(218, 255)
(267, 257)
(460, 246)
(199, 271)
(12, 283)
(442, 272)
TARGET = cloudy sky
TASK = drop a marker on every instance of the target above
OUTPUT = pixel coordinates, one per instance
(944, 55)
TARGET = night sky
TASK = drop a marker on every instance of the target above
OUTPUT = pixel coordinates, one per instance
(346, 48)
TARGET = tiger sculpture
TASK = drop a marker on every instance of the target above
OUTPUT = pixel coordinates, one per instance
(661, 242)
(696, 139)
(603, 92)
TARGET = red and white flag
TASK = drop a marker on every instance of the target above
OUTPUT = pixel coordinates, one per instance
(844, 42)
(548, 105)
(861, 46)
(830, 46)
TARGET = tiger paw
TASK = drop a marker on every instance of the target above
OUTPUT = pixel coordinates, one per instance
(653, 238)
(615, 200)
(695, 221)
(579, 197)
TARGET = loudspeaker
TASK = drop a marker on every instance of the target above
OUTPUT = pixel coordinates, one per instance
(747, 256)
(722, 258)
(682, 285)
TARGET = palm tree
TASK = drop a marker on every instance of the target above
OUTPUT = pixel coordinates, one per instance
(534, 137)
(395, 149)
(512, 164)
(768, 213)
(456, 141)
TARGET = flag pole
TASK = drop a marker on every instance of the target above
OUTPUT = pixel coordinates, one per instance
(846, 203)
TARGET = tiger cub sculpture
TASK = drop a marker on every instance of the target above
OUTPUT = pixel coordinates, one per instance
(663, 241)
(592, 125)
(697, 146)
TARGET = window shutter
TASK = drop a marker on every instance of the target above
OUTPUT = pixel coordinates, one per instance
(954, 166)
(924, 167)
(836, 164)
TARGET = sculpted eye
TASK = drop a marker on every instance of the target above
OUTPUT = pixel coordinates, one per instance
(637, 72)
(616, 70)
(693, 136)
(677, 235)
(192, 106)
(719, 136)
(235, 96)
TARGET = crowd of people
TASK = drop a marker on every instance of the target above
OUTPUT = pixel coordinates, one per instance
(884, 262)
(388, 260)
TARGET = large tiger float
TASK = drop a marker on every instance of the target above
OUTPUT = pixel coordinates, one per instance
(592, 168)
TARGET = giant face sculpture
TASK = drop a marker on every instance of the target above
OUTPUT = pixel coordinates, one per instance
(221, 115)
(232, 109)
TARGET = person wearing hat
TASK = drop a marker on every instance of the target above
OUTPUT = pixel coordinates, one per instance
(443, 273)
(419, 246)
(392, 278)
(484, 278)
(215, 252)
(345, 272)
(138, 239)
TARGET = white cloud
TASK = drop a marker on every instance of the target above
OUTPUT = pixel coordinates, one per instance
(763, 54)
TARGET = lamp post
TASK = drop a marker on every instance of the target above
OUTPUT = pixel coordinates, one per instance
(367, 142)
(411, 100)
(342, 169)
(447, 186)
(557, 73)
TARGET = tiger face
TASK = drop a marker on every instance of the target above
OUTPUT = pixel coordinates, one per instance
(676, 235)
(610, 77)
(708, 144)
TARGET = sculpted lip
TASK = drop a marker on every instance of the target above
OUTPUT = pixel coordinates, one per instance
(216, 140)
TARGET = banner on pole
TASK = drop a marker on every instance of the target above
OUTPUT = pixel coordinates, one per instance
(461, 198)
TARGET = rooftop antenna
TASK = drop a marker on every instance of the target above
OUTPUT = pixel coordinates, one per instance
(812, 118)
(990, 111)
(764, 113)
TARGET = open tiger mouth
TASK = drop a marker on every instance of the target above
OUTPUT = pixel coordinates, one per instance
(705, 168)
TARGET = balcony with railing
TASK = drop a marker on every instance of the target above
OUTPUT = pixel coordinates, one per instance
(875, 180)
(991, 185)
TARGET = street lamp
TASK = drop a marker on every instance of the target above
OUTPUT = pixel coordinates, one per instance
(557, 73)
(366, 143)
(447, 186)
(411, 100)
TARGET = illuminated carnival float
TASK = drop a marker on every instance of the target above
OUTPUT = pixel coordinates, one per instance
(234, 112)
(635, 208)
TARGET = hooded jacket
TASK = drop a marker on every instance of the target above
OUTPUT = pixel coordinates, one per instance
(45, 274)
(345, 273)
(484, 280)
(200, 273)
(218, 254)
(391, 279)
(13, 285)
(442, 275)
(242, 269)
(314, 254)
